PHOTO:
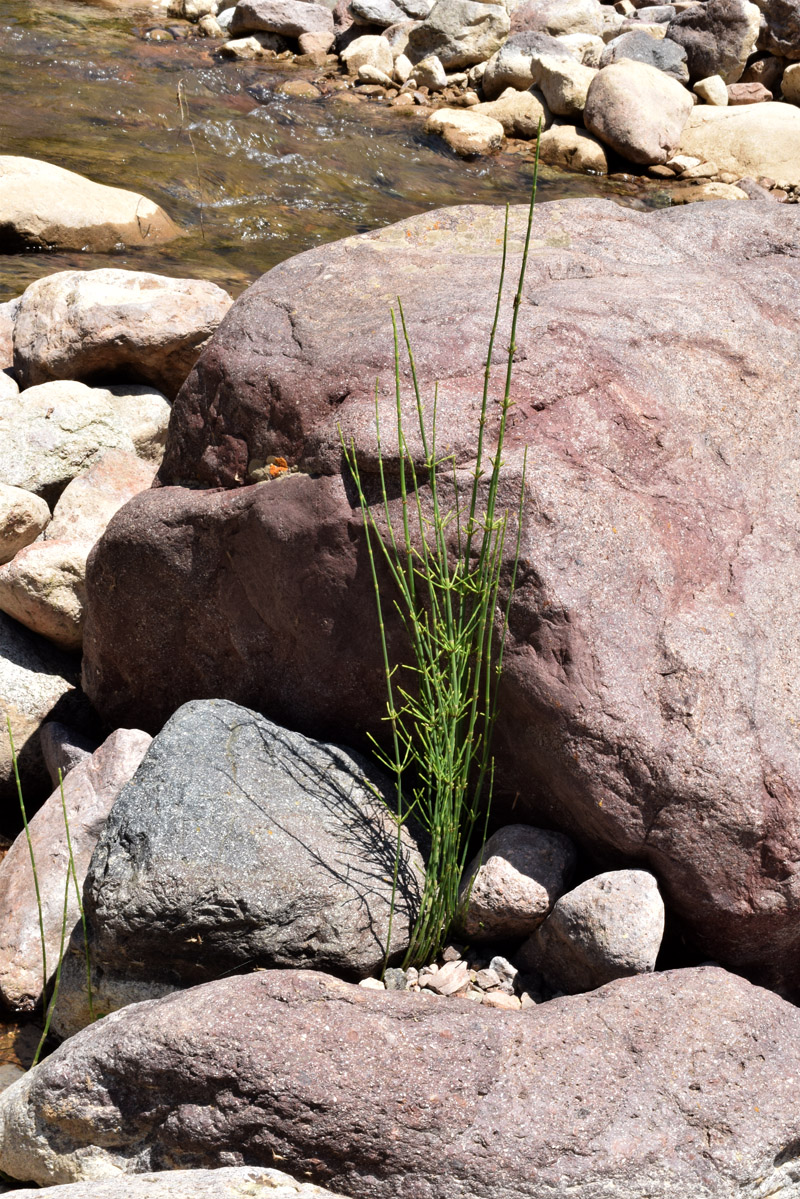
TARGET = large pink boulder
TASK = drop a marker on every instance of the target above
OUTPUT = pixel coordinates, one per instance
(648, 704)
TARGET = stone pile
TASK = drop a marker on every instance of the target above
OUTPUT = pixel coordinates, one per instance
(628, 85)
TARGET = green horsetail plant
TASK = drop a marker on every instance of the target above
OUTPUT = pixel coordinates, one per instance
(72, 878)
(444, 558)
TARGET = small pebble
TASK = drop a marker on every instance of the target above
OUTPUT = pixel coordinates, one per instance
(372, 984)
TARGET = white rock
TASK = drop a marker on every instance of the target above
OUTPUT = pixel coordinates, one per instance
(790, 83)
(751, 139)
(465, 131)
(586, 47)
(518, 112)
(565, 84)
(712, 90)
(368, 74)
(368, 50)
(403, 68)
(429, 73)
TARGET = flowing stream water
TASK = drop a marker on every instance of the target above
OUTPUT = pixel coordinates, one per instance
(252, 175)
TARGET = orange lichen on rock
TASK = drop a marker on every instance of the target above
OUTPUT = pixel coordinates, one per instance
(278, 466)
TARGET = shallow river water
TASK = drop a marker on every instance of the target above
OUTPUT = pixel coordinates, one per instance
(253, 176)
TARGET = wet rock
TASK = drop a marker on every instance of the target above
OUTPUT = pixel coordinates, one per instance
(635, 712)
(512, 64)
(637, 110)
(291, 18)
(107, 324)
(44, 586)
(63, 748)
(698, 190)
(466, 131)
(459, 32)
(23, 516)
(43, 207)
(56, 431)
(780, 28)
(245, 1070)
(368, 50)
(758, 139)
(227, 1183)
(662, 53)
(37, 681)
(557, 16)
(240, 844)
(513, 884)
(712, 90)
(609, 927)
(89, 791)
(564, 84)
(567, 146)
(718, 37)
(518, 112)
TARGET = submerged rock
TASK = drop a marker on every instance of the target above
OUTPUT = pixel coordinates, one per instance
(43, 207)
(240, 844)
(680, 1083)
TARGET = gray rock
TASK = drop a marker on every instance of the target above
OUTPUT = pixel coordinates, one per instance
(513, 885)
(240, 844)
(662, 53)
(718, 37)
(37, 682)
(557, 16)
(512, 64)
(111, 323)
(780, 28)
(385, 13)
(564, 84)
(520, 113)
(63, 748)
(658, 14)
(637, 110)
(609, 927)
(227, 1183)
(56, 431)
(23, 516)
(288, 17)
(89, 791)
(459, 32)
(674, 1084)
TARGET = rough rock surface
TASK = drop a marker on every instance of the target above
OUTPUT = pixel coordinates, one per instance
(662, 53)
(780, 28)
(89, 791)
(718, 37)
(520, 113)
(567, 146)
(55, 431)
(637, 110)
(749, 140)
(647, 705)
(564, 83)
(37, 682)
(43, 587)
(609, 927)
(43, 206)
(110, 324)
(558, 16)
(682, 1083)
(514, 883)
(23, 516)
(459, 32)
(226, 1183)
(241, 844)
(292, 18)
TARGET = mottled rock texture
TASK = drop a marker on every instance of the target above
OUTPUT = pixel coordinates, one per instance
(648, 705)
(240, 844)
(682, 1083)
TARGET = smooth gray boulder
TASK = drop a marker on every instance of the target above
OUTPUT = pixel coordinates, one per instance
(510, 887)
(674, 1084)
(291, 18)
(459, 33)
(385, 13)
(513, 64)
(239, 845)
(718, 37)
(227, 1183)
(609, 927)
(662, 53)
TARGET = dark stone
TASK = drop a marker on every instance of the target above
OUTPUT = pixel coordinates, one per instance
(662, 53)
(718, 37)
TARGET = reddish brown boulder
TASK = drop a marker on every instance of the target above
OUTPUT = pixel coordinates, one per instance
(648, 706)
(682, 1083)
